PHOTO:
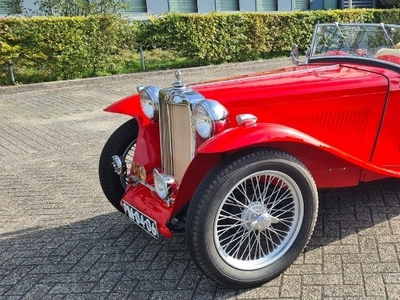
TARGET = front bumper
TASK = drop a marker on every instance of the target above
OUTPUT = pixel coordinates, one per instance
(147, 201)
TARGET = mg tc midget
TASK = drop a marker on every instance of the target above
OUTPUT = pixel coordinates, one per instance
(237, 163)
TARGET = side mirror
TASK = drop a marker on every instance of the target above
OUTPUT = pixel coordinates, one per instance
(294, 54)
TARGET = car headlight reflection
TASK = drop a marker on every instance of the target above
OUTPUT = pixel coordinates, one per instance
(209, 118)
(149, 101)
(165, 185)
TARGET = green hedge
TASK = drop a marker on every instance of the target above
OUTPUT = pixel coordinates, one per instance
(74, 47)
(220, 37)
(62, 47)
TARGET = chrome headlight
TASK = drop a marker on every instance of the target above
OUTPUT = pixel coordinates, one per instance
(164, 185)
(149, 100)
(209, 118)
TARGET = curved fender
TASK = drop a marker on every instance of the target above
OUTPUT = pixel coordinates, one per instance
(244, 136)
(269, 133)
(129, 106)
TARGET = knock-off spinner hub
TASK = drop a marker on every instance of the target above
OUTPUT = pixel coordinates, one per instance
(255, 218)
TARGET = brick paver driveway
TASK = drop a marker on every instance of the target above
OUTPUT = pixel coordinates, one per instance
(60, 239)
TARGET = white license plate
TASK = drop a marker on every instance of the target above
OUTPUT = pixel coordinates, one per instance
(140, 219)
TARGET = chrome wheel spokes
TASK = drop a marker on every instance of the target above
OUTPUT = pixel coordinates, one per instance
(258, 220)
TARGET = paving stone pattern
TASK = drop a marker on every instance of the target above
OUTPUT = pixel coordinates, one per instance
(61, 239)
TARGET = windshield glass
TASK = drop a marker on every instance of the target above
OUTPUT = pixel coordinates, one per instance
(378, 41)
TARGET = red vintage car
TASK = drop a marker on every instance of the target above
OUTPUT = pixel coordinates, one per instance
(238, 162)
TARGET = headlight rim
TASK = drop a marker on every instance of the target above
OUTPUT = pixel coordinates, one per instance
(149, 96)
(217, 117)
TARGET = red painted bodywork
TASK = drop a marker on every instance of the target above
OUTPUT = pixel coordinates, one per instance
(340, 120)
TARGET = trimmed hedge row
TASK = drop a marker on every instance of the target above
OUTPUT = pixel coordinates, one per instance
(65, 47)
(73, 47)
(218, 37)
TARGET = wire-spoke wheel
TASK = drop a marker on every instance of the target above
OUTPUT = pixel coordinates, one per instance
(121, 143)
(258, 220)
(251, 217)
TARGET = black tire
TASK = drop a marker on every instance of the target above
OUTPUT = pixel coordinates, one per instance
(251, 217)
(122, 143)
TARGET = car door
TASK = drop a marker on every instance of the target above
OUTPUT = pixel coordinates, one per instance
(387, 149)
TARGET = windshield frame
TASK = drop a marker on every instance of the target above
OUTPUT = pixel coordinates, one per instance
(382, 33)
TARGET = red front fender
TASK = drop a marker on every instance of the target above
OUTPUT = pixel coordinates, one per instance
(269, 134)
(250, 136)
(273, 134)
(129, 106)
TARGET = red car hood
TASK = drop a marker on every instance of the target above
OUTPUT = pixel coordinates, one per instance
(282, 84)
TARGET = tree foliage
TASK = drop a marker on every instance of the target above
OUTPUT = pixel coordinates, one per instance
(13, 7)
(389, 3)
(80, 7)
(67, 8)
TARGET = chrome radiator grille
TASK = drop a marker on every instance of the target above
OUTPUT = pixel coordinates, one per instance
(177, 138)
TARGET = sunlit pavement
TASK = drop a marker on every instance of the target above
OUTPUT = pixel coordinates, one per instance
(61, 239)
